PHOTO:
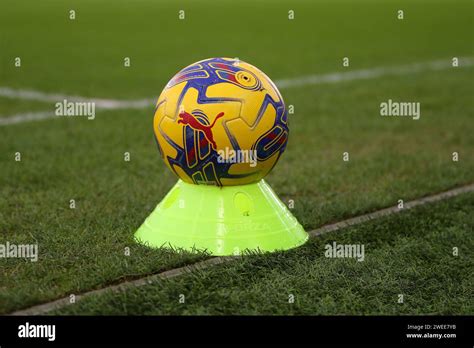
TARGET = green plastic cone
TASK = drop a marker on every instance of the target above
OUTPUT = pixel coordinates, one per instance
(222, 220)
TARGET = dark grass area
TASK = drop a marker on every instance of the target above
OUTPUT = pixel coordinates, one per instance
(409, 254)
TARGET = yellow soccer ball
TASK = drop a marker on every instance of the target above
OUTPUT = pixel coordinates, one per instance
(221, 122)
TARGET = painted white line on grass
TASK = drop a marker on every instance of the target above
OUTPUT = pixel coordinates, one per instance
(29, 116)
(372, 73)
(55, 98)
(335, 77)
(106, 104)
(65, 301)
(391, 210)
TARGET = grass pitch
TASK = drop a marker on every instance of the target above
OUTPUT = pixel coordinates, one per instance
(409, 255)
(390, 158)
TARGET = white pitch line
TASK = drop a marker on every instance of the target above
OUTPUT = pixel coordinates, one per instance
(29, 116)
(55, 98)
(308, 80)
(372, 73)
(65, 301)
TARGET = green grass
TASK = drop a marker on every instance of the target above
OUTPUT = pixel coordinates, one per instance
(85, 55)
(13, 106)
(409, 254)
(73, 158)
(83, 160)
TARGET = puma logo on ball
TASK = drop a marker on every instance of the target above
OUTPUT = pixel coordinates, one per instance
(191, 120)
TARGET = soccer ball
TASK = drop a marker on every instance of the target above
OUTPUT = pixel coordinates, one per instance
(220, 122)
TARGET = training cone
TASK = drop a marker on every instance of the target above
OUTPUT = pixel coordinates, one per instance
(225, 220)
